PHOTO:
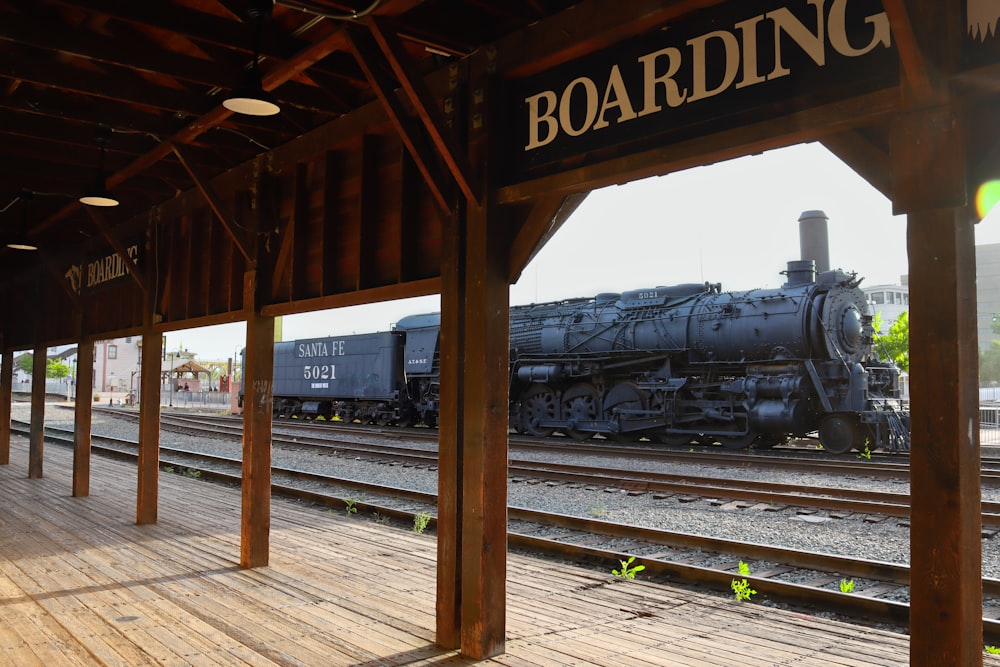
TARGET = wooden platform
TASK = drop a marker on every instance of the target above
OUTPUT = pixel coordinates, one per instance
(81, 584)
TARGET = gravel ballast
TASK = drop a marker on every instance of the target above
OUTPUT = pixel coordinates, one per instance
(873, 538)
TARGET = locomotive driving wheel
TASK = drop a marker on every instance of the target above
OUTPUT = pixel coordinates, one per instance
(580, 403)
(537, 405)
(625, 396)
(840, 433)
(737, 441)
(769, 440)
(675, 439)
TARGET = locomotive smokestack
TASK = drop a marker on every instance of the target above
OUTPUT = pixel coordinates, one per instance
(814, 243)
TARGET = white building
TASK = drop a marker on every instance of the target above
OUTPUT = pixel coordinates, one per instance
(890, 301)
(116, 364)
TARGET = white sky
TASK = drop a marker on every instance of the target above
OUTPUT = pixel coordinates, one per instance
(734, 222)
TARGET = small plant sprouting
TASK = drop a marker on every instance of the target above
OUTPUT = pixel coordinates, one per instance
(628, 570)
(992, 649)
(350, 506)
(193, 474)
(846, 586)
(381, 519)
(741, 587)
(168, 469)
(866, 453)
(420, 522)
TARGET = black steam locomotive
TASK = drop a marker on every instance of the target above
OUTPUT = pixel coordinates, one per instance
(681, 364)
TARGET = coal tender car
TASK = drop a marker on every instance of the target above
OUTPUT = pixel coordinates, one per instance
(356, 377)
(678, 365)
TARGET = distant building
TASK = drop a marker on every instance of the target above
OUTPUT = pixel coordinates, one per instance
(116, 364)
(987, 291)
(889, 300)
(892, 300)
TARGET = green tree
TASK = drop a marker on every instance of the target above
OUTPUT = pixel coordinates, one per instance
(894, 345)
(26, 362)
(989, 364)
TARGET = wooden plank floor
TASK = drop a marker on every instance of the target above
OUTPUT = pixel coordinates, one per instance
(81, 584)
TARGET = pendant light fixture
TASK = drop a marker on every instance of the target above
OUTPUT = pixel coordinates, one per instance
(98, 194)
(250, 98)
(21, 241)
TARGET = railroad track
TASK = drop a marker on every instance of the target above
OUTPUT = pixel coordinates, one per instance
(778, 575)
(836, 499)
(792, 459)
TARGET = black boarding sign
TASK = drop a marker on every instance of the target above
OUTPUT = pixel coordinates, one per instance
(715, 64)
(102, 270)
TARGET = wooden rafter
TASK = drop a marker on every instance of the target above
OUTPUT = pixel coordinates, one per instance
(423, 102)
(369, 58)
(912, 58)
(213, 202)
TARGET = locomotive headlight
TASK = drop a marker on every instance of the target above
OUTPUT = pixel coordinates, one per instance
(851, 328)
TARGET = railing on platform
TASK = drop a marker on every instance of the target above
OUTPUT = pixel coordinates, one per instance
(989, 424)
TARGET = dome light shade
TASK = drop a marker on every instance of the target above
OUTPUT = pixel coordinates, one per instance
(98, 197)
(252, 100)
(22, 243)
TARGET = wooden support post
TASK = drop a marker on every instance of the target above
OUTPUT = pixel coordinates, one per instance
(472, 466)
(36, 434)
(945, 522)
(258, 371)
(450, 429)
(6, 394)
(945, 518)
(83, 410)
(149, 426)
(484, 444)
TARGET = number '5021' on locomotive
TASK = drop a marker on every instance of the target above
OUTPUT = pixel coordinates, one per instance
(680, 364)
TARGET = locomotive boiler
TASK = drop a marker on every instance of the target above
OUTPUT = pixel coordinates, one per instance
(692, 363)
(677, 365)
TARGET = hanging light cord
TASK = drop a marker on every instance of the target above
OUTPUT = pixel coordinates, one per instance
(309, 9)
(25, 195)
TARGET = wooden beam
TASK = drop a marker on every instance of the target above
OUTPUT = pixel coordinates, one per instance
(149, 427)
(258, 371)
(205, 188)
(448, 630)
(472, 453)
(369, 59)
(583, 29)
(425, 105)
(932, 173)
(912, 58)
(405, 290)
(6, 396)
(485, 315)
(546, 216)
(945, 515)
(83, 410)
(868, 160)
(36, 432)
(273, 78)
